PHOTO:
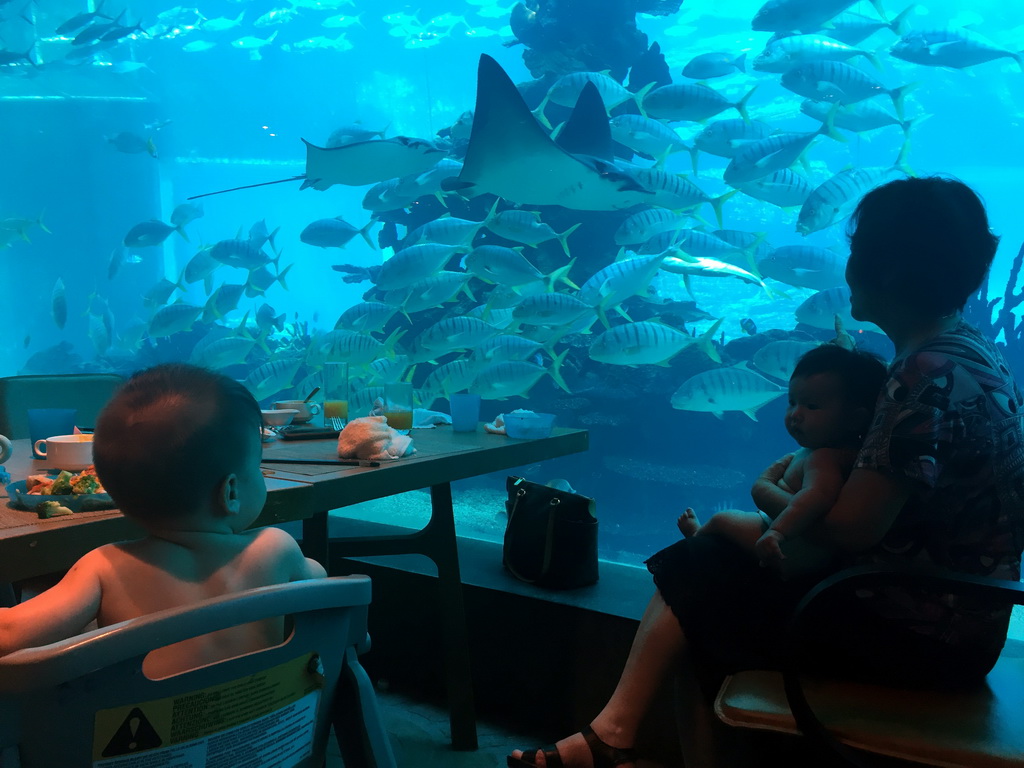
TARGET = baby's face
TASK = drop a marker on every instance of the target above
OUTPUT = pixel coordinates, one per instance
(818, 415)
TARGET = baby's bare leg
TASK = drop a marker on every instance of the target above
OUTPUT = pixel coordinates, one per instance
(744, 528)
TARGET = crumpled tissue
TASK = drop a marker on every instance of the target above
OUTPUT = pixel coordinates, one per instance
(496, 427)
(370, 437)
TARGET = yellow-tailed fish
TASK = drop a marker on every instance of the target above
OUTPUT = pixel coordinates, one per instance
(649, 343)
(172, 319)
(610, 286)
(415, 263)
(507, 266)
(511, 378)
(452, 333)
(726, 389)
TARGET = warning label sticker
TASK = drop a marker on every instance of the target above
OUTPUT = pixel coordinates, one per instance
(265, 720)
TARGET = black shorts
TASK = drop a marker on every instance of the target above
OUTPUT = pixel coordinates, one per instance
(735, 616)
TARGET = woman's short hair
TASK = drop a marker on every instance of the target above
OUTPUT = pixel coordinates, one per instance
(930, 236)
(861, 374)
(169, 437)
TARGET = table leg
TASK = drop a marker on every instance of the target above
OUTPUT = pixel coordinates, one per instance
(316, 539)
(453, 618)
(437, 541)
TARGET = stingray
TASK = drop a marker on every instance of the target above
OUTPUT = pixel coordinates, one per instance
(511, 155)
(358, 164)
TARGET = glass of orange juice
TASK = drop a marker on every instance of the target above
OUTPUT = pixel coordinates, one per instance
(335, 394)
(398, 405)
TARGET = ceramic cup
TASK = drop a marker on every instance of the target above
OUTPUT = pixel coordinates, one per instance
(306, 411)
(66, 451)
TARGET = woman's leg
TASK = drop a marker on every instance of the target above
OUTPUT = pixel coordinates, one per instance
(656, 649)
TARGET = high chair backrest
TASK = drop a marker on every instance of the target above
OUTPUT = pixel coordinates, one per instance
(86, 702)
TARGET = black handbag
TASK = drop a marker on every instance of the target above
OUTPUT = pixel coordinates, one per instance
(551, 536)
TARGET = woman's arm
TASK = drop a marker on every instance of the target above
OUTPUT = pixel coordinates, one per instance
(867, 506)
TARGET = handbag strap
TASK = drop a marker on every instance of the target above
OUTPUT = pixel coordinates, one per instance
(548, 538)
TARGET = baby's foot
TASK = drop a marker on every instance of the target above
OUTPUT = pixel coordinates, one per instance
(688, 523)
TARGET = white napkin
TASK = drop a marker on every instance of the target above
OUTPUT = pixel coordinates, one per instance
(425, 419)
(370, 437)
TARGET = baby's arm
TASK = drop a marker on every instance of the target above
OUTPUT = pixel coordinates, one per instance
(60, 612)
(767, 491)
(822, 481)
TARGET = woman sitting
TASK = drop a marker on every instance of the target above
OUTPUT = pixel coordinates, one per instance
(939, 481)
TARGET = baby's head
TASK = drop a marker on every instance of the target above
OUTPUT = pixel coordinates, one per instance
(169, 439)
(832, 395)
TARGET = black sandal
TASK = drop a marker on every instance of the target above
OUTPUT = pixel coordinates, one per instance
(601, 754)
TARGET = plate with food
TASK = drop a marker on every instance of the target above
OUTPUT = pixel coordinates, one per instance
(60, 493)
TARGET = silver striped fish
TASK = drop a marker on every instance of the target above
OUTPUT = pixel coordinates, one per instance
(835, 199)
(726, 389)
(783, 188)
(693, 103)
(649, 343)
(779, 358)
(415, 263)
(805, 266)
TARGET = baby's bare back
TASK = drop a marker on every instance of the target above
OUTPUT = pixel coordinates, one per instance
(154, 574)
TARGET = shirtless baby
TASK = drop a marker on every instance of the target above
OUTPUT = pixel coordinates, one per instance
(178, 449)
(832, 395)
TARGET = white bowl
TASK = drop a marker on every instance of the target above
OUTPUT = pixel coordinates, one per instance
(279, 417)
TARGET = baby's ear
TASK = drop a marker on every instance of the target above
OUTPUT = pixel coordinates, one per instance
(226, 497)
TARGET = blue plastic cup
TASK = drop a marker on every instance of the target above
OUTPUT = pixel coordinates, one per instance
(465, 412)
(49, 422)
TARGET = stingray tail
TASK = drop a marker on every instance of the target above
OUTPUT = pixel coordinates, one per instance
(250, 186)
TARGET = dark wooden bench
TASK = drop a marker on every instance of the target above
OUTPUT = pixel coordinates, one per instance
(979, 728)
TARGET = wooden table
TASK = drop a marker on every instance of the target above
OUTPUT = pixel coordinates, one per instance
(441, 457)
(32, 547)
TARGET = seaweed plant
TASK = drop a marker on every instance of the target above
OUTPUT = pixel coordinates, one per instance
(996, 318)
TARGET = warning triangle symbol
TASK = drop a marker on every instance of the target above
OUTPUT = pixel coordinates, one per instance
(136, 734)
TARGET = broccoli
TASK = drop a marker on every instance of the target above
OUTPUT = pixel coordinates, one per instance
(61, 485)
(48, 509)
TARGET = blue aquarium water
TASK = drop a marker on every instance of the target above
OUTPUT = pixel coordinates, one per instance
(539, 281)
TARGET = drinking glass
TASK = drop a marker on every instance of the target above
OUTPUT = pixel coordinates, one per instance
(335, 393)
(398, 405)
